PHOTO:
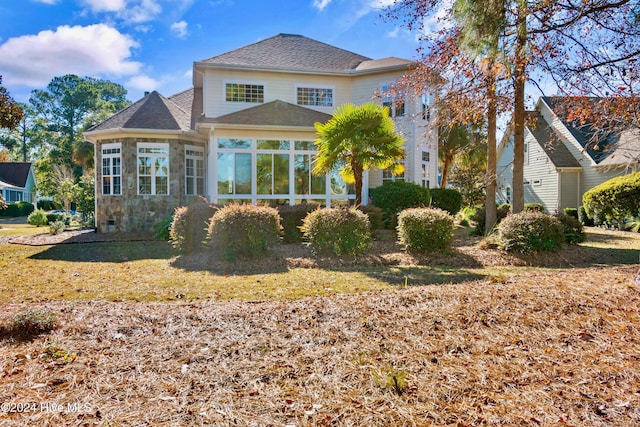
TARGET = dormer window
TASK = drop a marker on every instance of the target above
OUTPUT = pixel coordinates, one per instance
(244, 92)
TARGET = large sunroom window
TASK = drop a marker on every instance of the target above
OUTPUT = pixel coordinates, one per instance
(111, 169)
(194, 170)
(153, 168)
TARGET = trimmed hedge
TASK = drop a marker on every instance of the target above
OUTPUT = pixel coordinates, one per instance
(572, 229)
(424, 230)
(584, 219)
(341, 231)
(480, 217)
(190, 225)
(375, 216)
(244, 230)
(395, 196)
(15, 209)
(571, 212)
(447, 199)
(614, 200)
(538, 207)
(291, 219)
(530, 231)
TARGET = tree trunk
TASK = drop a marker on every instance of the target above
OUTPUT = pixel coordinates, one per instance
(490, 179)
(357, 174)
(518, 111)
(446, 164)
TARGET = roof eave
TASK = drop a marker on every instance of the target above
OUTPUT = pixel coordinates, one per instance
(344, 73)
(234, 126)
(93, 136)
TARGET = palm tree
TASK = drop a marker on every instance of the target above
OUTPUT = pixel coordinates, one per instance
(355, 139)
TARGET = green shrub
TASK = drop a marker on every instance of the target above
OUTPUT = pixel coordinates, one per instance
(530, 231)
(244, 230)
(395, 196)
(584, 218)
(572, 229)
(291, 218)
(538, 207)
(480, 217)
(424, 230)
(57, 227)
(53, 217)
(614, 200)
(31, 322)
(468, 212)
(375, 216)
(15, 209)
(48, 205)
(341, 230)
(37, 218)
(571, 212)
(446, 198)
(188, 231)
(162, 229)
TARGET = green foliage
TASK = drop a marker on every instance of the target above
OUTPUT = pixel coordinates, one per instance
(84, 196)
(395, 196)
(355, 139)
(291, 219)
(614, 200)
(447, 199)
(584, 218)
(244, 230)
(30, 322)
(538, 207)
(391, 379)
(10, 111)
(375, 216)
(162, 229)
(48, 205)
(480, 215)
(571, 212)
(341, 231)
(53, 217)
(424, 230)
(572, 228)
(190, 225)
(57, 227)
(37, 218)
(15, 209)
(468, 212)
(530, 231)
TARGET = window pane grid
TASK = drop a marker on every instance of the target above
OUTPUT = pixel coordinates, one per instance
(153, 169)
(244, 92)
(318, 97)
(111, 171)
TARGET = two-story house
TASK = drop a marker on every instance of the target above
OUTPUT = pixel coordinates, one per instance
(245, 133)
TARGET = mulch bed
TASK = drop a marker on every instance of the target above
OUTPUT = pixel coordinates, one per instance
(82, 235)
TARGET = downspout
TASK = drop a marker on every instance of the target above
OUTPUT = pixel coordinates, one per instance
(95, 187)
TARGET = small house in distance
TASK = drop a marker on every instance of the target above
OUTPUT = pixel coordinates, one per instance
(245, 133)
(561, 163)
(17, 182)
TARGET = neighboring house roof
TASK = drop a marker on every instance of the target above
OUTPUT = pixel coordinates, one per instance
(153, 111)
(14, 174)
(627, 150)
(597, 146)
(383, 63)
(290, 51)
(275, 113)
(551, 143)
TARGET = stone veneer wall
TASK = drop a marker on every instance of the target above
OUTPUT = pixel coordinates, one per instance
(130, 212)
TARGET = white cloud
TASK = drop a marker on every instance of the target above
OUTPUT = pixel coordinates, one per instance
(94, 50)
(143, 82)
(321, 4)
(46, 1)
(188, 73)
(180, 29)
(144, 11)
(105, 5)
(393, 33)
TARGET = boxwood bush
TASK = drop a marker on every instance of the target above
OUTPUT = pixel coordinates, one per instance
(244, 230)
(446, 198)
(340, 230)
(614, 200)
(571, 212)
(480, 217)
(538, 207)
(15, 209)
(424, 230)
(584, 218)
(572, 229)
(395, 196)
(530, 231)
(291, 219)
(375, 216)
(190, 225)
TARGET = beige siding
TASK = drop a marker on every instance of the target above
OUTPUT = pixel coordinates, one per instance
(569, 190)
(541, 175)
(504, 172)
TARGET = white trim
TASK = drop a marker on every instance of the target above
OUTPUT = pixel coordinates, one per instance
(195, 177)
(167, 156)
(111, 174)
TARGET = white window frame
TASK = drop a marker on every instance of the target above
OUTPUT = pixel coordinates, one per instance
(196, 156)
(315, 87)
(244, 82)
(153, 157)
(112, 175)
(392, 102)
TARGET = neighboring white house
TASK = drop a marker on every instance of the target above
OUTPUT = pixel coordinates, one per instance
(17, 182)
(560, 162)
(245, 133)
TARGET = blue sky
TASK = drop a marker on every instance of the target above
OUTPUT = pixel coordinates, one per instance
(151, 44)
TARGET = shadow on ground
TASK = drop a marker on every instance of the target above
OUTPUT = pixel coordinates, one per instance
(108, 252)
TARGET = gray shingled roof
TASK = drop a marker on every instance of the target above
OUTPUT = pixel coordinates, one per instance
(626, 150)
(383, 63)
(290, 51)
(551, 143)
(15, 173)
(154, 111)
(275, 113)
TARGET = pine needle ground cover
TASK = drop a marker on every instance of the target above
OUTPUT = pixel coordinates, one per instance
(515, 345)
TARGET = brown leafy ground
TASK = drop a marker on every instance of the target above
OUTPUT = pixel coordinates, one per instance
(557, 347)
